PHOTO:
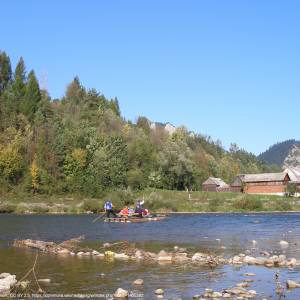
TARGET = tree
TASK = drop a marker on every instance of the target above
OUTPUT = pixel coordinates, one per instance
(114, 106)
(5, 71)
(19, 84)
(34, 172)
(75, 92)
(32, 97)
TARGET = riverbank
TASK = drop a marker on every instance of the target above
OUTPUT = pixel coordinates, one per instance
(156, 200)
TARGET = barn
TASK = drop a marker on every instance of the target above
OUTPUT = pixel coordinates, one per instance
(213, 184)
(265, 183)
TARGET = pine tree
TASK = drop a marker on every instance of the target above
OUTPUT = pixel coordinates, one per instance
(75, 92)
(5, 71)
(32, 97)
(19, 85)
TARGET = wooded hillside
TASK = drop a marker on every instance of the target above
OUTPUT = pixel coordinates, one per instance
(82, 144)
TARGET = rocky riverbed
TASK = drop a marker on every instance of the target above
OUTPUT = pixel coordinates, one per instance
(129, 253)
(184, 257)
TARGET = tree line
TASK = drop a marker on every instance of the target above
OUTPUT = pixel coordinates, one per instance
(82, 144)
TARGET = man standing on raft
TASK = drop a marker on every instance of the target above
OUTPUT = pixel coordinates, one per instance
(108, 207)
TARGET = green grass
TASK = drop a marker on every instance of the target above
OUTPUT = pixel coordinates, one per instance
(156, 200)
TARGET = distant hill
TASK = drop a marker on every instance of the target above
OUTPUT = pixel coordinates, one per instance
(277, 153)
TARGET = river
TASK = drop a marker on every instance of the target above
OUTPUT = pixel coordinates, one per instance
(224, 234)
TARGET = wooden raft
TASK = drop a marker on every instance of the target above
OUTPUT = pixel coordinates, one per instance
(134, 219)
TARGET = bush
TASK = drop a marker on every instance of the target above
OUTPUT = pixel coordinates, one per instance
(248, 204)
(91, 205)
(213, 204)
(40, 208)
(7, 208)
(283, 205)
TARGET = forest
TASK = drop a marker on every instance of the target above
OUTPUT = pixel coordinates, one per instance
(81, 144)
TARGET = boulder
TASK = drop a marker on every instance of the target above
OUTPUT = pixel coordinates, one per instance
(260, 261)
(216, 295)
(79, 253)
(292, 262)
(290, 284)
(4, 275)
(95, 252)
(284, 244)
(121, 256)
(120, 293)
(159, 292)
(63, 251)
(7, 282)
(199, 257)
(249, 260)
(164, 258)
(24, 284)
(138, 282)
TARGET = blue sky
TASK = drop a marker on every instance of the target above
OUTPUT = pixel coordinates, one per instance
(228, 69)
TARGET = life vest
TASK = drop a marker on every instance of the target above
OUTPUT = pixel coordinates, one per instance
(108, 205)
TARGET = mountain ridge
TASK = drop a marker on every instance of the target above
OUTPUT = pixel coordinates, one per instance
(277, 153)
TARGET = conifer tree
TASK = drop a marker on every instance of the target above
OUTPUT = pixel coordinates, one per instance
(5, 71)
(19, 85)
(32, 97)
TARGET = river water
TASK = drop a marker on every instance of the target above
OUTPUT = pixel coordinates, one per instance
(223, 234)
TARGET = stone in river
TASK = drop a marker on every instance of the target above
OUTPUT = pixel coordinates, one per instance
(292, 284)
(120, 293)
(44, 280)
(138, 282)
(284, 244)
(159, 292)
(63, 251)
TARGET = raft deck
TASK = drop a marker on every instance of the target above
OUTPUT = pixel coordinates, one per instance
(134, 219)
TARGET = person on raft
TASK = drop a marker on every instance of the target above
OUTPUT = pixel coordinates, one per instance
(108, 207)
(124, 212)
(139, 208)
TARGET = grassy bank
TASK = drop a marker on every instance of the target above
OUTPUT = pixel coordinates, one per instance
(156, 200)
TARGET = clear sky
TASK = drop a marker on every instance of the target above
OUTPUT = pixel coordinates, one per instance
(228, 69)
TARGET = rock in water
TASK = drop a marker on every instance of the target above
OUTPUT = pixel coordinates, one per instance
(284, 244)
(120, 293)
(138, 282)
(159, 292)
(7, 281)
(44, 280)
(292, 284)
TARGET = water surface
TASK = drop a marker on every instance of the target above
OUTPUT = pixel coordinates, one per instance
(226, 234)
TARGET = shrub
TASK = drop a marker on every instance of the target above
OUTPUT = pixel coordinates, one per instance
(91, 205)
(7, 208)
(40, 208)
(248, 204)
(283, 205)
(213, 204)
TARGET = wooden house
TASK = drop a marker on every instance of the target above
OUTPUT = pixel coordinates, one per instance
(265, 183)
(213, 184)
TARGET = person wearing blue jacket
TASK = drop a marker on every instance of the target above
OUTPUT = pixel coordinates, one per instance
(108, 207)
